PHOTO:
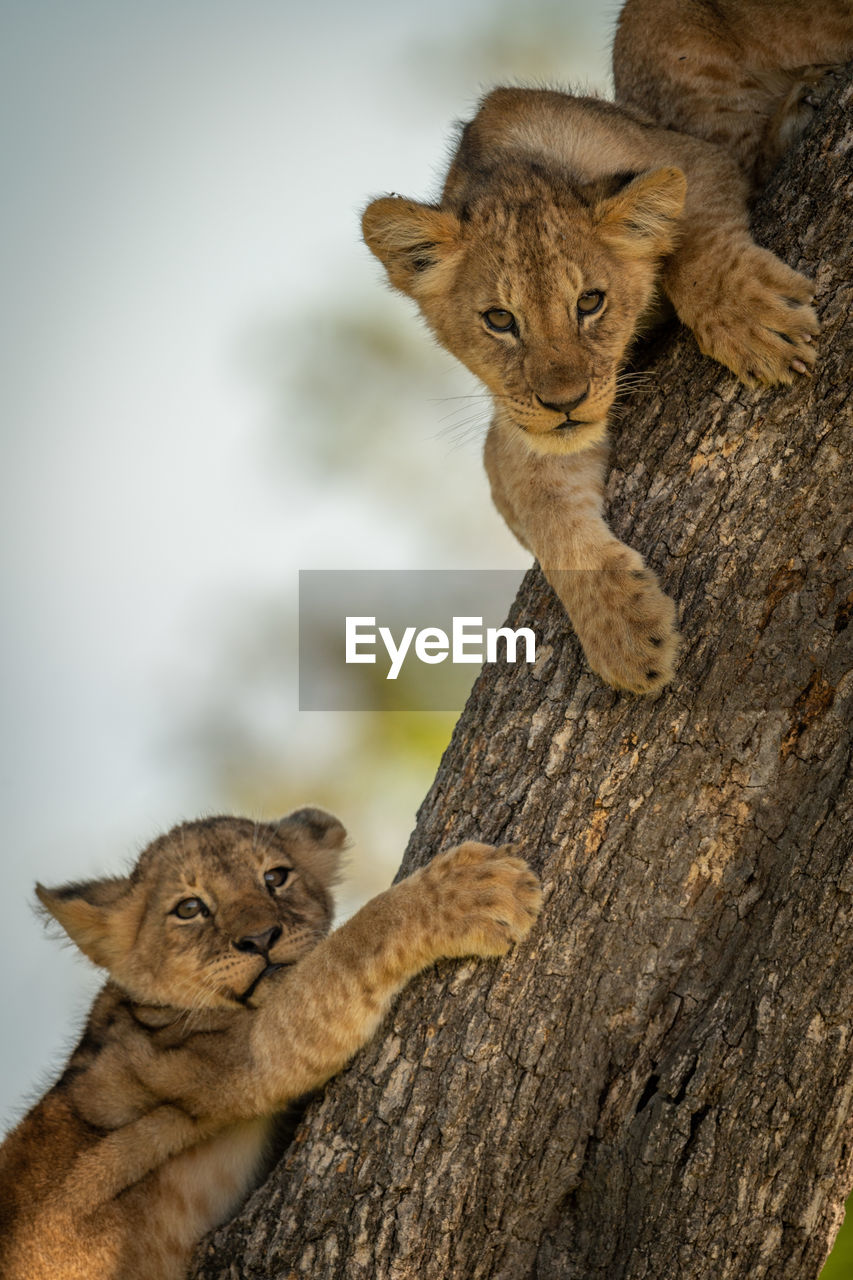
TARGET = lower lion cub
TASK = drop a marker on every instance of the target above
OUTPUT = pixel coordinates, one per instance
(225, 1001)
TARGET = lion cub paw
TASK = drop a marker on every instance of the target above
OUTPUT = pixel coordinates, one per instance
(626, 625)
(762, 328)
(486, 899)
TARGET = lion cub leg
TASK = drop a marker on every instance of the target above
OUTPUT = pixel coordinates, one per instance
(804, 90)
(473, 900)
(747, 308)
(743, 74)
(553, 504)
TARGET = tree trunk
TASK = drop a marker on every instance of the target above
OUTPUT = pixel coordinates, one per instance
(659, 1084)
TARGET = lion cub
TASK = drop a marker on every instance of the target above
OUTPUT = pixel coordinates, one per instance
(562, 220)
(225, 1001)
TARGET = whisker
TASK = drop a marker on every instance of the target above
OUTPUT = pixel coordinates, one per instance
(627, 383)
(474, 395)
(456, 414)
(449, 423)
(491, 396)
(463, 432)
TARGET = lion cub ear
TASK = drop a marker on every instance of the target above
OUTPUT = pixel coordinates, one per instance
(642, 218)
(100, 916)
(410, 240)
(320, 836)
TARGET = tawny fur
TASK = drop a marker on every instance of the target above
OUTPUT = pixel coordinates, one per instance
(161, 1122)
(744, 74)
(574, 217)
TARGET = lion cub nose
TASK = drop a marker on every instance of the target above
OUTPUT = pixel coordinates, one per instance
(565, 406)
(260, 943)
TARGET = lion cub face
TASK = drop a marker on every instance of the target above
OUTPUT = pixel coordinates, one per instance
(210, 911)
(536, 285)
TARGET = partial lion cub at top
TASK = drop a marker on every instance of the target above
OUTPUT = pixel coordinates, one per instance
(562, 220)
(225, 1001)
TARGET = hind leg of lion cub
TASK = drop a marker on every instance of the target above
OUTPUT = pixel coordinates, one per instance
(553, 504)
(740, 73)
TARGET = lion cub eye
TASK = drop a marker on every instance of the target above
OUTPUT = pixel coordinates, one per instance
(590, 302)
(188, 908)
(499, 320)
(275, 878)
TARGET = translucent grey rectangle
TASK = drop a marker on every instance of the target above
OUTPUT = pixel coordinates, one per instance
(403, 640)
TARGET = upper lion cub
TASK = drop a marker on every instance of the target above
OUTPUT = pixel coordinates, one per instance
(561, 221)
(225, 1001)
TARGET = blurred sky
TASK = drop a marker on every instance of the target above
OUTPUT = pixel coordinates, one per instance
(177, 175)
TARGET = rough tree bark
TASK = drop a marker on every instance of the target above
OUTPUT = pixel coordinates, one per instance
(660, 1083)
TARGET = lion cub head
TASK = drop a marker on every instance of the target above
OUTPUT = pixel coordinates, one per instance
(210, 910)
(536, 283)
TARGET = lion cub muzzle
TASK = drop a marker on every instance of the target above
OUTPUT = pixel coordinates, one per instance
(564, 408)
(565, 423)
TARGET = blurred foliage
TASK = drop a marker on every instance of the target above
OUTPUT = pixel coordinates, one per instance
(362, 397)
(544, 42)
(371, 768)
(340, 368)
(352, 393)
(366, 412)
